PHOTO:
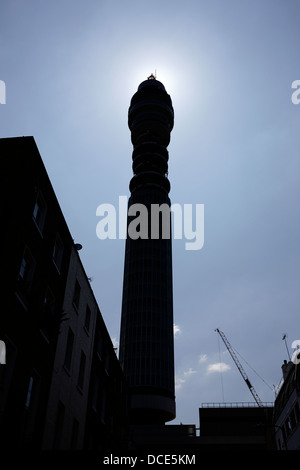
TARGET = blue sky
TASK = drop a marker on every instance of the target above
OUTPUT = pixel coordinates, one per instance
(70, 69)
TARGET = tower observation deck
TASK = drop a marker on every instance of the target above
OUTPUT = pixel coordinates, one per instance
(146, 338)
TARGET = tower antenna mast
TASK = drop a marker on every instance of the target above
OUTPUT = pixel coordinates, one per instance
(284, 338)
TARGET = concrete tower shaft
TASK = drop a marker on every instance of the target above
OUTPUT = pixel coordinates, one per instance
(146, 340)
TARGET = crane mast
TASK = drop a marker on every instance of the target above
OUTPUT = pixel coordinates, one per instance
(240, 368)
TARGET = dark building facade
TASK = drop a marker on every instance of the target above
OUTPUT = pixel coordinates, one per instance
(236, 426)
(287, 409)
(86, 407)
(146, 338)
(35, 266)
(107, 420)
(62, 386)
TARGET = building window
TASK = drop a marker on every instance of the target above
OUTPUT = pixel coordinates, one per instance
(26, 272)
(57, 444)
(74, 437)
(87, 320)
(49, 303)
(76, 295)
(48, 310)
(107, 362)
(29, 393)
(95, 393)
(58, 252)
(99, 347)
(69, 350)
(283, 435)
(288, 425)
(31, 405)
(39, 212)
(297, 412)
(103, 405)
(292, 419)
(81, 370)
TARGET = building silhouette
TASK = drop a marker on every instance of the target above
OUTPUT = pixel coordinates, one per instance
(62, 386)
(287, 409)
(236, 426)
(146, 338)
(35, 262)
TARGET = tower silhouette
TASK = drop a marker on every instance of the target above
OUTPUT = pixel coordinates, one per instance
(146, 339)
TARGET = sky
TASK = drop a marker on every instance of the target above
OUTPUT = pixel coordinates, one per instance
(70, 69)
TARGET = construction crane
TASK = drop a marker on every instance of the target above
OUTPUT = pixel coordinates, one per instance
(240, 368)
